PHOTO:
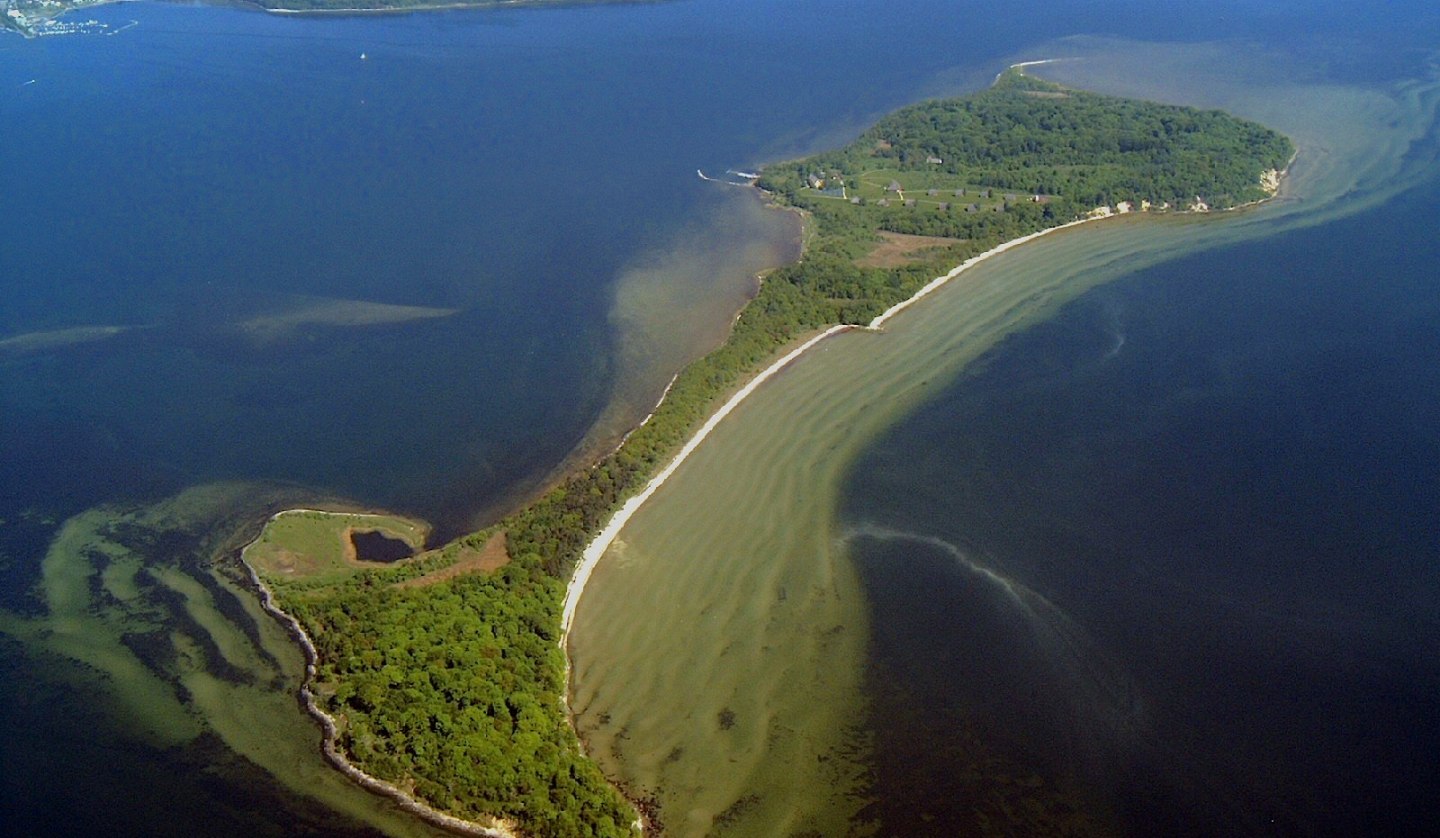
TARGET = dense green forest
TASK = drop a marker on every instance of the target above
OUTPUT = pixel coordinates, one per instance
(1076, 149)
(455, 689)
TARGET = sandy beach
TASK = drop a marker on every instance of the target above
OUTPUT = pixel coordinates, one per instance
(591, 557)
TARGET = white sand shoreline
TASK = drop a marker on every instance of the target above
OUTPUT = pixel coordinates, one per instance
(575, 588)
(939, 281)
(597, 547)
(591, 557)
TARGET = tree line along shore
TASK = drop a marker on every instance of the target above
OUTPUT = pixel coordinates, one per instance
(450, 686)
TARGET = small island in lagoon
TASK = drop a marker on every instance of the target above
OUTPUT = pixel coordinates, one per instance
(445, 675)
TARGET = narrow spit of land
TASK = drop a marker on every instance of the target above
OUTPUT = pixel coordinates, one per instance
(453, 693)
(596, 549)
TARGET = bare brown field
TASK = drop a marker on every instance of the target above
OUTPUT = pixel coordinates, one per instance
(897, 249)
(487, 559)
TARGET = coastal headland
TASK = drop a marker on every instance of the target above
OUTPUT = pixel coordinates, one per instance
(453, 694)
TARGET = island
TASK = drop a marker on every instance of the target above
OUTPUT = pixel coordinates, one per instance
(440, 679)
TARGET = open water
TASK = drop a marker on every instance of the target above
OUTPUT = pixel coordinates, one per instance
(408, 262)
(829, 629)
(1175, 552)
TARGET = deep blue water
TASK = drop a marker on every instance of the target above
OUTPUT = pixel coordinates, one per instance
(214, 166)
(1213, 491)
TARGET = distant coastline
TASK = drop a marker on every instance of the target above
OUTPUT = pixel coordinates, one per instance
(32, 21)
(32, 18)
(439, 7)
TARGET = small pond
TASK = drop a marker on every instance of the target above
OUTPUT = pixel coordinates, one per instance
(378, 547)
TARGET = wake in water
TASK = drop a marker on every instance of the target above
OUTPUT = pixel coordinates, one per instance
(972, 637)
(1116, 347)
(732, 178)
(1116, 329)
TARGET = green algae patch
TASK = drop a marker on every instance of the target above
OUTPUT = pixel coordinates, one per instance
(144, 611)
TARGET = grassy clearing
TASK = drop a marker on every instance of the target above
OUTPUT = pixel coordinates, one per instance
(315, 546)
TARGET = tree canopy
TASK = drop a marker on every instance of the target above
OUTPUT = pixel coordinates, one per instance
(1082, 149)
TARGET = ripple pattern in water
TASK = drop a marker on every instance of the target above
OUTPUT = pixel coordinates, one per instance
(717, 652)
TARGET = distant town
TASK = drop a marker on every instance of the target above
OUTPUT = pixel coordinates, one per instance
(38, 18)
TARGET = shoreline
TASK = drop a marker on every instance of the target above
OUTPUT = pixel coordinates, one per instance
(590, 558)
(941, 280)
(1271, 180)
(597, 547)
(330, 729)
(595, 550)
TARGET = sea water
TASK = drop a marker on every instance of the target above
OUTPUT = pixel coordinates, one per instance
(1173, 553)
(805, 592)
(1167, 562)
(411, 262)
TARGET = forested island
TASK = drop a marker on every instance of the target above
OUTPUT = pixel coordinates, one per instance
(444, 674)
